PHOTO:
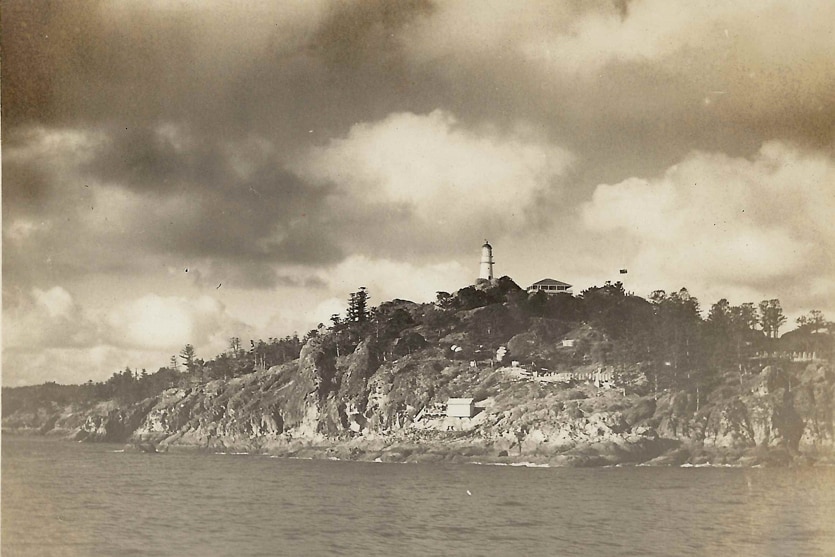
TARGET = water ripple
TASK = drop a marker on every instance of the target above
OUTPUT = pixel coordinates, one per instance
(71, 499)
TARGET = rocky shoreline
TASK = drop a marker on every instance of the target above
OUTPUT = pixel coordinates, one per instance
(582, 457)
(774, 418)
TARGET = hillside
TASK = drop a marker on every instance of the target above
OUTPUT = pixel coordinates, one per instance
(604, 378)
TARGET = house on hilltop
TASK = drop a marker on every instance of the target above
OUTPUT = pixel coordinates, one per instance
(550, 286)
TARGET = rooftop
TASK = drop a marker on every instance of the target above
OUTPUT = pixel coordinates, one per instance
(550, 282)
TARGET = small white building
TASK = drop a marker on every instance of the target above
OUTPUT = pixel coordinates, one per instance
(460, 408)
(549, 286)
(485, 270)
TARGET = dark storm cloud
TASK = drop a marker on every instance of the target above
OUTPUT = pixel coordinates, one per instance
(219, 210)
(68, 62)
(26, 187)
(633, 90)
(128, 74)
(362, 33)
(142, 158)
(359, 61)
(86, 63)
(158, 194)
(249, 274)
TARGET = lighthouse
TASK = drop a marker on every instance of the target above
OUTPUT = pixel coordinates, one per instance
(485, 271)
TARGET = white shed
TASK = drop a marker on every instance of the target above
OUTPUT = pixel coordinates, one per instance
(460, 408)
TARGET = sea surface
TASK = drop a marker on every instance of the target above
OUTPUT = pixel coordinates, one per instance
(64, 498)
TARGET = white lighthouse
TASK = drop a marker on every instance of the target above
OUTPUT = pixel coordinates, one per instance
(485, 271)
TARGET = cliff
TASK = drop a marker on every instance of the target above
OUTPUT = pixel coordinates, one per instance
(376, 391)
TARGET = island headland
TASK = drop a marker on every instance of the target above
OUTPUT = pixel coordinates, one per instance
(491, 374)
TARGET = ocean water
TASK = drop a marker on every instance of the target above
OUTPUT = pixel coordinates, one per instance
(63, 498)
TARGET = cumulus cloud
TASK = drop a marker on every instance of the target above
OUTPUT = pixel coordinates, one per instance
(47, 318)
(581, 39)
(166, 322)
(49, 335)
(766, 33)
(444, 177)
(387, 279)
(716, 223)
(37, 322)
(73, 365)
(56, 301)
(760, 64)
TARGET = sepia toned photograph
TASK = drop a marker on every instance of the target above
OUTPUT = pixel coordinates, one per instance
(418, 277)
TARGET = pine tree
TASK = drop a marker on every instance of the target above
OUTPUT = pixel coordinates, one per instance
(358, 305)
(187, 354)
(771, 317)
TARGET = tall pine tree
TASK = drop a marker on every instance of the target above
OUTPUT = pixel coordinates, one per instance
(358, 305)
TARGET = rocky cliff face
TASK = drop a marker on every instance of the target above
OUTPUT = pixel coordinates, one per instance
(776, 416)
(371, 404)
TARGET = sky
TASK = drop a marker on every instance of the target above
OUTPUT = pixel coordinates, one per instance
(182, 172)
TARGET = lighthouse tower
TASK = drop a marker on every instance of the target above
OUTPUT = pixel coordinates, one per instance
(485, 271)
